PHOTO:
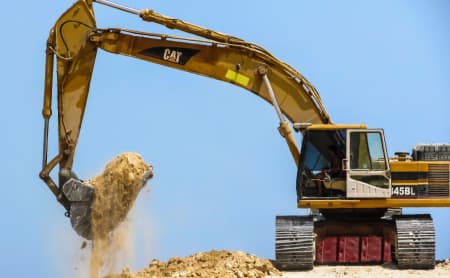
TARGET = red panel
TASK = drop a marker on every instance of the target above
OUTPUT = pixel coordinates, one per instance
(353, 249)
(327, 250)
(348, 249)
(387, 252)
(371, 249)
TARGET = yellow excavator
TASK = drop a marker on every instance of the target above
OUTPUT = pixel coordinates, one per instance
(354, 191)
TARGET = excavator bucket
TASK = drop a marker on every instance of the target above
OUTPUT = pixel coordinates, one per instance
(81, 197)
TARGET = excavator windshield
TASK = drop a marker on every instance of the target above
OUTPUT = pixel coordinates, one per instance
(321, 163)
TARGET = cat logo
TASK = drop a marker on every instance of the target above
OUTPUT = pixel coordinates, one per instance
(176, 55)
(172, 55)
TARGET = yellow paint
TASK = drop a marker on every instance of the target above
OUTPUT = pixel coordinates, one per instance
(410, 182)
(374, 203)
(238, 78)
(334, 127)
(409, 166)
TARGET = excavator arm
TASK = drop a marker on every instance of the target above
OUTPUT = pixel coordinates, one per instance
(74, 41)
(74, 64)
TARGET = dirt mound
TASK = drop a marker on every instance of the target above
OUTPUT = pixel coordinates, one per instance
(116, 190)
(445, 264)
(214, 264)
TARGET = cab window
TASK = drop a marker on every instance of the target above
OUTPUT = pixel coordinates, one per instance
(366, 151)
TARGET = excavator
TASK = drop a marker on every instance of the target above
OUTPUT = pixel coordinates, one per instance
(354, 191)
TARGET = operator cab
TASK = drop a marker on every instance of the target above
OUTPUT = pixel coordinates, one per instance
(342, 162)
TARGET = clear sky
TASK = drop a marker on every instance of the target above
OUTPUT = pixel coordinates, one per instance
(222, 172)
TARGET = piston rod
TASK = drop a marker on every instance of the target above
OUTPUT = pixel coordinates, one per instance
(284, 128)
(118, 6)
(273, 98)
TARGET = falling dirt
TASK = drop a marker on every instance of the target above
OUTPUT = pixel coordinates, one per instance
(213, 264)
(116, 190)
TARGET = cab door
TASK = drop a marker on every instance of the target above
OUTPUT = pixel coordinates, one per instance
(368, 174)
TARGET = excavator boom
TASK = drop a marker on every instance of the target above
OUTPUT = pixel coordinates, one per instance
(74, 41)
(237, 64)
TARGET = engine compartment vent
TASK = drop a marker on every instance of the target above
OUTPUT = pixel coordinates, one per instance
(431, 152)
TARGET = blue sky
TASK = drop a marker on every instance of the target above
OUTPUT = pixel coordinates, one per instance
(222, 172)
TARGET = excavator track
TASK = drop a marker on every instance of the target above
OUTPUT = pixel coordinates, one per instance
(294, 242)
(415, 241)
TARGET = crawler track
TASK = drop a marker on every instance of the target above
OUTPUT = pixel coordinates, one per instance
(415, 241)
(294, 242)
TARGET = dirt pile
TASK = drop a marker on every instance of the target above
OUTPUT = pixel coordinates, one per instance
(445, 265)
(116, 190)
(238, 264)
(214, 264)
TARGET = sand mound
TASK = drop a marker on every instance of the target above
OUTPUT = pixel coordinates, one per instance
(228, 264)
(445, 264)
(214, 264)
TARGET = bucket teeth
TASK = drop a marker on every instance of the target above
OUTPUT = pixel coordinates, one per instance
(80, 196)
